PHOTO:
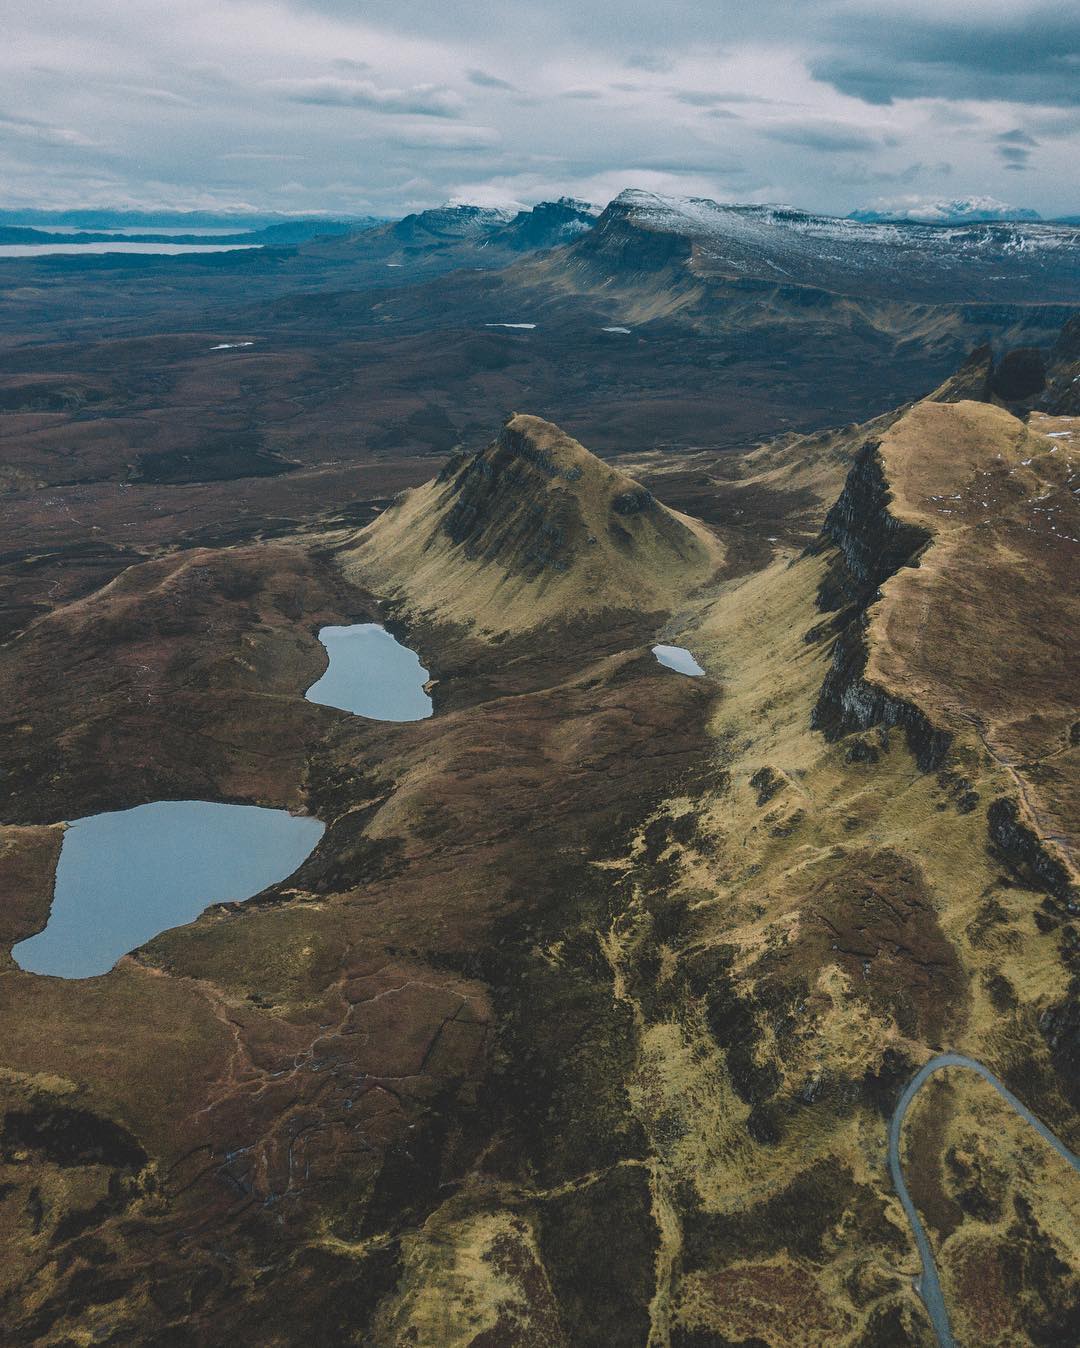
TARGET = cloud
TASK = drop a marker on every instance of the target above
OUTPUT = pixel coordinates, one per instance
(697, 98)
(41, 133)
(329, 91)
(830, 138)
(1014, 149)
(483, 80)
(1031, 57)
(1016, 137)
(436, 136)
(256, 156)
(701, 98)
(208, 99)
(155, 95)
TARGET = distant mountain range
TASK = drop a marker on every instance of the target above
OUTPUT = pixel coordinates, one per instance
(280, 234)
(506, 230)
(444, 229)
(960, 211)
(1015, 260)
(100, 218)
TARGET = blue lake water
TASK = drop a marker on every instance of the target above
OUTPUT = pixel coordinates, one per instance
(677, 658)
(124, 877)
(371, 674)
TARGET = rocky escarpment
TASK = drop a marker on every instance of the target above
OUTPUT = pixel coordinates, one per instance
(874, 544)
(1023, 849)
(622, 241)
(488, 522)
(547, 225)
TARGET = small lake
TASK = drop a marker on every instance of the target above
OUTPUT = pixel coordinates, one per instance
(124, 877)
(677, 658)
(371, 674)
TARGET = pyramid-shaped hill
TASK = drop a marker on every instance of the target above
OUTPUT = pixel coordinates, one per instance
(532, 529)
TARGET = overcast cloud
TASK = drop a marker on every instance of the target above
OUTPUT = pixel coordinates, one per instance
(384, 106)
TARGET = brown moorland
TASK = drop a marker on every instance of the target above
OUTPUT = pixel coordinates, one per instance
(583, 1022)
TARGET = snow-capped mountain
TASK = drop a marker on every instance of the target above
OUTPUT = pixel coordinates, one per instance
(1016, 260)
(961, 211)
(542, 226)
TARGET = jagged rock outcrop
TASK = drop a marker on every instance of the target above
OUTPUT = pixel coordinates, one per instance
(874, 544)
(971, 382)
(1022, 848)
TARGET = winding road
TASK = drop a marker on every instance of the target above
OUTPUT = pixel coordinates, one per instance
(928, 1284)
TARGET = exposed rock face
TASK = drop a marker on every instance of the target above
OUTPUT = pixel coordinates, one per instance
(1022, 848)
(444, 224)
(956, 632)
(874, 545)
(1024, 377)
(621, 241)
(547, 225)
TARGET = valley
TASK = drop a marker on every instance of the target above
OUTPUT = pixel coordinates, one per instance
(728, 782)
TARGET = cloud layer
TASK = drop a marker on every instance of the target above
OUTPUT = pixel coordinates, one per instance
(325, 105)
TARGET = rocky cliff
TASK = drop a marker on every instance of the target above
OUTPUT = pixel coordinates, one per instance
(874, 544)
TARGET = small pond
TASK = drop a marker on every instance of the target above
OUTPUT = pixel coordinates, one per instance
(124, 877)
(371, 674)
(677, 658)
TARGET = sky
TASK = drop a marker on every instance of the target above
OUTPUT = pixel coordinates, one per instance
(386, 106)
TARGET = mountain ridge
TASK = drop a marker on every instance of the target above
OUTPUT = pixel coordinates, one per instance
(781, 245)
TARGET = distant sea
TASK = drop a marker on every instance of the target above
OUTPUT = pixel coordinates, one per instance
(121, 230)
(120, 246)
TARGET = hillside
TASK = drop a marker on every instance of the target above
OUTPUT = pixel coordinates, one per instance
(583, 1024)
(532, 528)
